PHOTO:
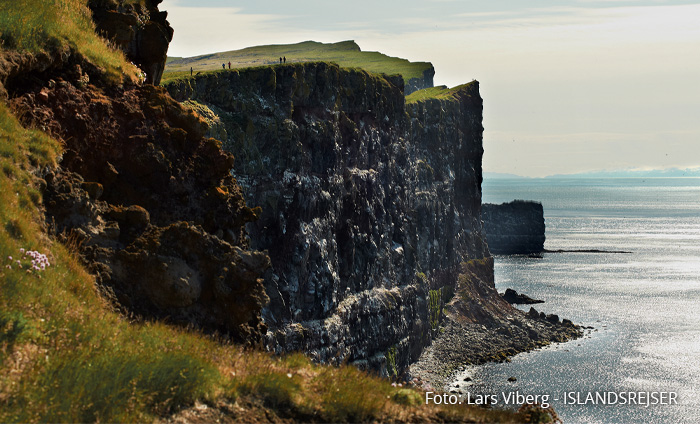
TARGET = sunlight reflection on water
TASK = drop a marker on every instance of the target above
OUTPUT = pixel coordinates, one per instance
(643, 305)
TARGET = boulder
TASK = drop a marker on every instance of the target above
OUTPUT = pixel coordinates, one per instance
(513, 297)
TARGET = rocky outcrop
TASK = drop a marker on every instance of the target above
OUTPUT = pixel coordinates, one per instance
(149, 204)
(139, 29)
(514, 298)
(514, 228)
(369, 204)
(482, 327)
(415, 84)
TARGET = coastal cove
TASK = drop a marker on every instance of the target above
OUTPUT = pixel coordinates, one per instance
(642, 305)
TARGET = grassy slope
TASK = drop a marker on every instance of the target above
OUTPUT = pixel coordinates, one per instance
(346, 54)
(65, 355)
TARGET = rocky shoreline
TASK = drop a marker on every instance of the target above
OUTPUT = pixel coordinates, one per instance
(462, 344)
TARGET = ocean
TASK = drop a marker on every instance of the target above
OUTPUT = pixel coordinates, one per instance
(644, 305)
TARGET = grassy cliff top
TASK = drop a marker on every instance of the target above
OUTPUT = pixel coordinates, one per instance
(346, 54)
(441, 92)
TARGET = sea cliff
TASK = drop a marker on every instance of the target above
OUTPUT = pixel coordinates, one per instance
(369, 204)
(516, 227)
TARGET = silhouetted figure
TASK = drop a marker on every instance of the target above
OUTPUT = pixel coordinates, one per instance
(229, 65)
(280, 60)
(285, 59)
(191, 70)
(223, 66)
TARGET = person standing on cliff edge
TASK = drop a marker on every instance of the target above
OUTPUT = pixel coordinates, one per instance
(191, 70)
(285, 59)
(229, 64)
(280, 60)
(223, 66)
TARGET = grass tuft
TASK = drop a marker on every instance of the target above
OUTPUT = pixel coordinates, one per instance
(351, 395)
(278, 390)
(116, 386)
(36, 25)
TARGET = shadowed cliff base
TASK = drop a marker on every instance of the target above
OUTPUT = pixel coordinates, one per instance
(482, 327)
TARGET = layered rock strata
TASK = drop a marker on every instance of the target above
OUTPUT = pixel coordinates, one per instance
(369, 204)
(514, 228)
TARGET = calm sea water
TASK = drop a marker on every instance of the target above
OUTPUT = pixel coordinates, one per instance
(645, 305)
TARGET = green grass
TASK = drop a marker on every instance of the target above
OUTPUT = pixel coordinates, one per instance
(352, 396)
(439, 93)
(35, 25)
(346, 54)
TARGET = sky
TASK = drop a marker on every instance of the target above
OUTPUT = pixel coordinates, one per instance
(568, 86)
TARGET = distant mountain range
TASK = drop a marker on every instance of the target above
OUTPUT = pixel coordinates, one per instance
(620, 173)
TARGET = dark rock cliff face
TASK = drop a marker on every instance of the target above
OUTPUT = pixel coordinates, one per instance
(515, 227)
(139, 29)
(369, 204)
